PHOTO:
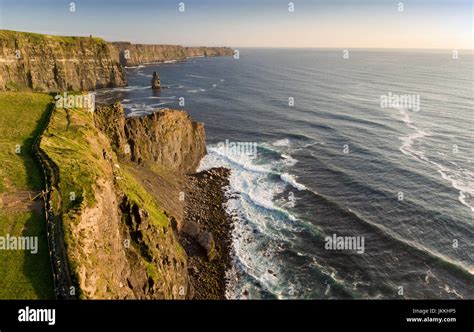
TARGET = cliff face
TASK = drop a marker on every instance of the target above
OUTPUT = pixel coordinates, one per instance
(207, 51)
(135, 54)
(53, 63)
(129, 54)
(167, 139)
(121, 240)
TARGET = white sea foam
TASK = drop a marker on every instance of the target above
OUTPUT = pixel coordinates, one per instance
(289, 160)
(291, 179)
(257, 186)
(461, 180)
(199, 76)
(132, 67)
(282, 142)
(143, 74)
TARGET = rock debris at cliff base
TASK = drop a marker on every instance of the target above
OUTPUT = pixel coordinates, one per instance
(206, 232)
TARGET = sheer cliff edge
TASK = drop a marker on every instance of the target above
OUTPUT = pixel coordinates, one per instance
(31, 61)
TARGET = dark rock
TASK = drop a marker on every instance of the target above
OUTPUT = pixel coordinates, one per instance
(155, 81)
(98, 66)
(168, 138)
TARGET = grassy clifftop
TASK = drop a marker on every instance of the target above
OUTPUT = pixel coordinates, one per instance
(38, 38)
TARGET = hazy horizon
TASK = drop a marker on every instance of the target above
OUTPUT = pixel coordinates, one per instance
(358, 24)
(265, 47)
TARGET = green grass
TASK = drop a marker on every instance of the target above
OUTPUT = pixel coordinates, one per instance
(22, 117)
(68, 141)
(138, 195)
(23, 275)
(39, 38)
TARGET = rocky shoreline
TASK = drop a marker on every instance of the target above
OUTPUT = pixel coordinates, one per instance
(206, 234)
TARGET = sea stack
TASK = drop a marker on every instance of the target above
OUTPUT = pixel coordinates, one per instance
(155, 81)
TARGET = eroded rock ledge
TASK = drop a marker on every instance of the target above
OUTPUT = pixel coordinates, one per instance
(167, 139)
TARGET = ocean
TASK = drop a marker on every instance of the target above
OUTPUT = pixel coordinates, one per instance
(376, 147)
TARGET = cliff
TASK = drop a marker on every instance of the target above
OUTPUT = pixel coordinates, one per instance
(53, 63)
(167, 139)
(121, 241)
(30, 61)
(192, 52)
(135, 54)
(134, 224)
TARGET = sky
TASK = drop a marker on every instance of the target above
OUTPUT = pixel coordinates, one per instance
(425, 24)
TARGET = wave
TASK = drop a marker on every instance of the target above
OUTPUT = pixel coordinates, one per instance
(242, 161)
(132, 67)
(254, 187)
(288, 178)
(196, 90)
(255, 184)
(387, 232)
(282, 142)
(155, 97)
(258, 184)
(198, 76)
(462, 181)
(133, 88)
(145, 75)
(289, 160)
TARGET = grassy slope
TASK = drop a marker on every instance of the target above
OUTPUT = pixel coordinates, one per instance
(22, 117)
(68, 141)
(22, 275)
(71, 142)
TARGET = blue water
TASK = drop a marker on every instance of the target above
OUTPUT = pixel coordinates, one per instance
(335, 163)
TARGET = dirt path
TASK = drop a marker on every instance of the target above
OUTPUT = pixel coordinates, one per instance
(58, 253)
(21, 201)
